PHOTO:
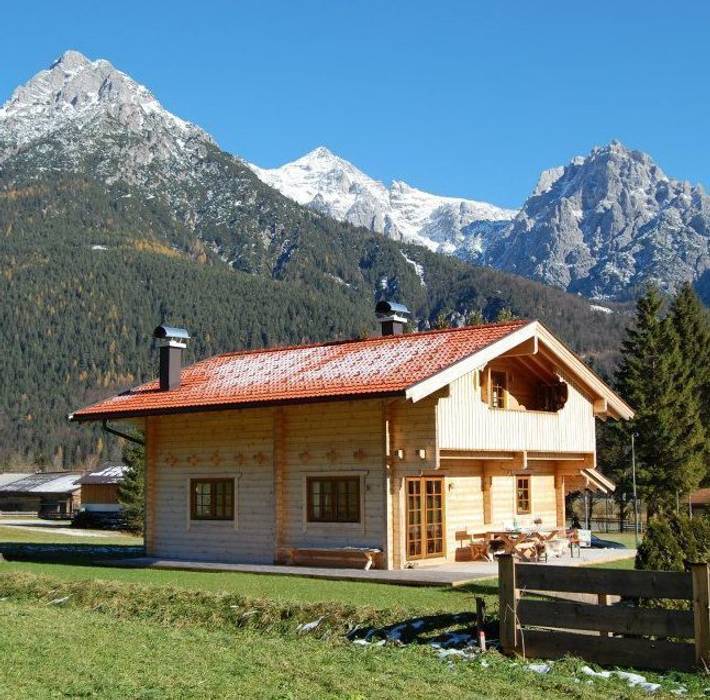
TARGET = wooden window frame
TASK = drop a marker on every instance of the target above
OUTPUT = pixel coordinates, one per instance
(334, 479)
(422, 508)
(528, 490)
(214, 517)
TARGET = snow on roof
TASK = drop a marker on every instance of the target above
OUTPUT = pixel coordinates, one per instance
(107, 474)
(43, 482)
(353, 368)
(9, 477)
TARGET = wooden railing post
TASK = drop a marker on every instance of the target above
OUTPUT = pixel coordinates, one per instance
(507, 603)
(701, 612)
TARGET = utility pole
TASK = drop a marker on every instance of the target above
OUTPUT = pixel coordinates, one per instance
(633, 477)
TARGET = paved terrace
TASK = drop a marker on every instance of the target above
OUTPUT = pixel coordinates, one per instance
(452, 574)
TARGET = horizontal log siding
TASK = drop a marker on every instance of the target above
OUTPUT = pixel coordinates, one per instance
(335, 438)
(412, 428)
(464, 502)
(466, 423)
(215, 444)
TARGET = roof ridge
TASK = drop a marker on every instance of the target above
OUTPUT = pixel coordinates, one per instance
(517, 323)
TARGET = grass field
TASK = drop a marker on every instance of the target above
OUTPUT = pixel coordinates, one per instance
(84, 639)
(81, 630)
(85, 656)
(46, 535)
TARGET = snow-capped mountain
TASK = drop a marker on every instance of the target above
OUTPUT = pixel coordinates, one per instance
(607, 223)
(331, 185)
(602, 225)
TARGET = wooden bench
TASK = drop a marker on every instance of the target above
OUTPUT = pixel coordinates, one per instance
(335, 557)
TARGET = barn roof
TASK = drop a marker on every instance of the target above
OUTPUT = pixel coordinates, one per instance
(108, 474)
(413, 365)
(44, 482)
(9, 477)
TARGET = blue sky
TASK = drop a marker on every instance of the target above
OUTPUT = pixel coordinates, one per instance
(461, 98)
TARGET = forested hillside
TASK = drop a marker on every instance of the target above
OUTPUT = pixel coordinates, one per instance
(116, 215)
(88, 271)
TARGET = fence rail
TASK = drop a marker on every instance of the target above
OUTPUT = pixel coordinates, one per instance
(619, 634)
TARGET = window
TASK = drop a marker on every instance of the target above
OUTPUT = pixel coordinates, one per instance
(212, 499)
(333, 499)
(499, 386)
(522, 495)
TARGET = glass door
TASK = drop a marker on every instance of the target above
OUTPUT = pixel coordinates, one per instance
(425, 517)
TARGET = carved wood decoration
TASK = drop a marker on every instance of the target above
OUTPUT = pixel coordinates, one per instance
(170, 459)
(239, 459)
(193, 460)
(260, 458)
(305, 456)
(360, 454)
(331, 455)
(216, 458)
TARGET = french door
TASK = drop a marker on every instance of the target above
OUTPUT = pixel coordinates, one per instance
(425, 517)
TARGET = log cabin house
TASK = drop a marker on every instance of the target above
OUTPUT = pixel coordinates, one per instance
(393, 443)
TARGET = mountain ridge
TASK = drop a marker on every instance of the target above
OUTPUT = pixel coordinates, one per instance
(114, 222)
(333, 186)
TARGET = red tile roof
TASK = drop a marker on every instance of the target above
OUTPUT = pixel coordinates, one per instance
(362, 368)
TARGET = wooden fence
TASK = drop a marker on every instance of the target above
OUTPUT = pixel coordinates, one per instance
(621, 634)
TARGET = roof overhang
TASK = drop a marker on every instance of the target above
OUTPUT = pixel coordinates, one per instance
(530, 339)
(224, 406)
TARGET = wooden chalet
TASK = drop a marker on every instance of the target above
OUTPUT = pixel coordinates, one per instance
(99, 488)
(391, 444)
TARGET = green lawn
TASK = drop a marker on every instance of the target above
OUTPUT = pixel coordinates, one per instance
(51, 651)
(281, 588)
(149, 633)
(32, 534)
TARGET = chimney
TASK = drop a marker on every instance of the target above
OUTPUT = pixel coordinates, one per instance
(392, 317)
(172, 342)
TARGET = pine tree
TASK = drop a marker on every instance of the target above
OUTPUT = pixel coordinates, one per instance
(475, 318)
(692, 326)
(505, 314)
(656, 380)
(131, 490)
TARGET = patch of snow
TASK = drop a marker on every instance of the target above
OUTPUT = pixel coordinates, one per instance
(635, 680)
(99, 247)
(418, 268)
(539, 668)
(309, 626)
(601, 309)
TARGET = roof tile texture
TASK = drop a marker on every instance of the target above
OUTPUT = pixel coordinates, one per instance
(372, 366)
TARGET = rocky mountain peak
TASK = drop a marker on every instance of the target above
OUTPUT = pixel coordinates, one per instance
(75, 92)
(605, 224)
(333, 186)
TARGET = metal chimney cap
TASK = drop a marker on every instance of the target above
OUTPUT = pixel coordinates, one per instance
(388, 308)
(163, 332)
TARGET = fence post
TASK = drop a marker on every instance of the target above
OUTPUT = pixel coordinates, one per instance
(701, 611)
(507, 603)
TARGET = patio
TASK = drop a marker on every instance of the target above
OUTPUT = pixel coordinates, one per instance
(448, 574)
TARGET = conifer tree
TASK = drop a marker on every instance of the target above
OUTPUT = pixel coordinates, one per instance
(131, 489)
(656, 380)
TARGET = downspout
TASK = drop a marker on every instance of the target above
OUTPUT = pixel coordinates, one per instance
(118, 433)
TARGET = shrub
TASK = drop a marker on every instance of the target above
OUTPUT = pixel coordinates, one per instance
(673, 541)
